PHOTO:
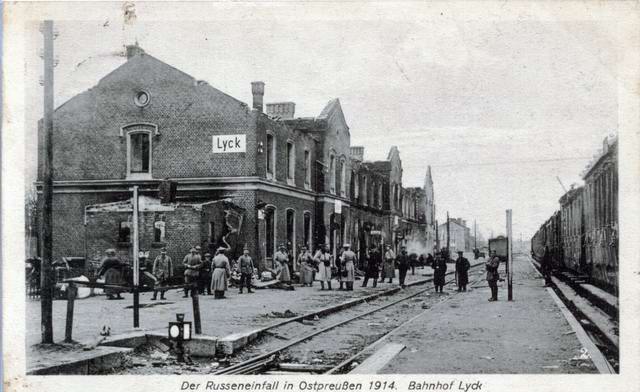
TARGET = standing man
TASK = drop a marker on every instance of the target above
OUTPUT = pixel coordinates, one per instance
(281, 267)
(192, 264)
(413, 261)
(546, 266)
(492, 274)
(221, 272)
(163, 271)
(112, 269)
(389, 268)
(462, 269)
(403, 265)
(245, 264)
(307, 268)
(439, 271)
(204, 282)
(375, 260)
(324, 260)
(349, 267)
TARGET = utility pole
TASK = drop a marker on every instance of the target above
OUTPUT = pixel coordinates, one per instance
(509, 257)
(437, 238)
(136, 261)
(475, 235)
(46, 274)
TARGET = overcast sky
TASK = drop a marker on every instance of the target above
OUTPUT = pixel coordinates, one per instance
(498, 109)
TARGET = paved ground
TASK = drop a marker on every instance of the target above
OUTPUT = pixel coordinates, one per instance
(468, 334)
(237, 313)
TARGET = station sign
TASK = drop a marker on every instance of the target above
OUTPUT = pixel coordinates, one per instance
(229, 143)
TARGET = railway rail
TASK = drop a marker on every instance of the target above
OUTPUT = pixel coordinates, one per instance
(339, 330)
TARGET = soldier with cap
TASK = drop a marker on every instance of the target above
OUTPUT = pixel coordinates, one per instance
(403, 265)
(324, 260)
(305, 261)
(192, 264)
(204, 281)
(163, 271)
(245, 264)
(492, 274)
(373, 265)
(221, 271)
(348, 267)
(112, 269)
(462, 271)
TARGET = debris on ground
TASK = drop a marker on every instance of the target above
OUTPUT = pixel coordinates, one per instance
(286, 314)
(316, 318)
(569, 332)
(489, 358)
(425, 306)
(373, 324)
(584, 355)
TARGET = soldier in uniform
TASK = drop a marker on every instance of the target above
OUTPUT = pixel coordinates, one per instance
(204, 281)
(348, 267)
(221, 271)
(281, 266)
(492, 274)
(373, 265)
(462, 271)
(245, 264)
(389, 268)
(439, 270)
(307, 268)
(546, 266)
(192, 264)
(162, 270)
(324, 261)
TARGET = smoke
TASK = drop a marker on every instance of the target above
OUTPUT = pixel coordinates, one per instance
(417, 247)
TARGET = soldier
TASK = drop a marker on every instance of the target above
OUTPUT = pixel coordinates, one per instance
(281, 266)
(192, 264)
(305, 261)
(462, 271)
(348, 267)
(403, 265)
(221, 272)
(439, 271)
(389, 268)
(492, 274)
(112, 269)
(324, 261)
(546, 266)
(162, 270)
(205, 275)
(373, 265)
(245, 264)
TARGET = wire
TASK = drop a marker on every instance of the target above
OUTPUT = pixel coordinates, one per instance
(512, 162)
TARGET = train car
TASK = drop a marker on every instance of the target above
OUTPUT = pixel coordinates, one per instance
(500, 245)
(572, 229)
(601, 217)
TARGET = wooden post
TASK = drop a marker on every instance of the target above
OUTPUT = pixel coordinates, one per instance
(437, 239)
(196, 309)
(509, 257)
(448, 249)
(136, 261)
(72, 291)
(46, 269)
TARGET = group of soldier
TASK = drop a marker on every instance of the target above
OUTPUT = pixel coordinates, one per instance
(208, 274)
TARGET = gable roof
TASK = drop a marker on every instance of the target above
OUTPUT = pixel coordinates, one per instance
(333, 110)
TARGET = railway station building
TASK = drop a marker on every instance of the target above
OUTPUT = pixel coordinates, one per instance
(213, 171)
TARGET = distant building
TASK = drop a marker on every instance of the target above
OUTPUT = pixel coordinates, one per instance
(459, 235)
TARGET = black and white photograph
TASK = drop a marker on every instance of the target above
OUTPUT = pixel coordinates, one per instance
(320, 196)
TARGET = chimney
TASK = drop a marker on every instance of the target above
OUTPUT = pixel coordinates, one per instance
(284, 110)
(133, 50)
(257, 89)
(357, 152)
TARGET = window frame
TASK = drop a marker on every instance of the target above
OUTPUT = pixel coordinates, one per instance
(343, 177)
(291, 163)
(271, 156)
(137, 130)
(307, 168)
(332, 174)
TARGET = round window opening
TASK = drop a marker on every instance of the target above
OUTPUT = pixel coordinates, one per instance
(141, 98)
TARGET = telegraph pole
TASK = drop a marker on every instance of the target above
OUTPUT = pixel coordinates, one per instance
(447, 231)
(136, 261)
(437, 238)
(475, 235)
(46, 274)
(509, 257)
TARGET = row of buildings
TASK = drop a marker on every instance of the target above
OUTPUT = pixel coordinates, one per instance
(213, 171)
(458, 235)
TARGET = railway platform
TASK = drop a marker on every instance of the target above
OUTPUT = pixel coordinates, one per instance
(468, 334)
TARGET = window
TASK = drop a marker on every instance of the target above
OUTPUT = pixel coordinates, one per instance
(158, 231)
(374, 187)
(140, 153)
(343, 178)
(380, 195)
(332, 174)
(291, 162)
(270, 230)
(307, 230)
(307, 169)
(364, 190)
(271, 156)
(124, 232)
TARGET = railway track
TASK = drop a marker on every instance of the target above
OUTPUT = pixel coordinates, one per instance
(333, 343)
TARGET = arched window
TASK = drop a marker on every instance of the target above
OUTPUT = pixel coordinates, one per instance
(332, 174)
(343, 177)
(270, 230)
(291, 163)
(291, 234)
(307, 231)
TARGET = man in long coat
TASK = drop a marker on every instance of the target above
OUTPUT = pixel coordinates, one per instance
(389, 268)
(324, 261)
(162, 270)
(192, 264)
(307, 267)
(492, 274)
(112, 269)
(462, 271)
(348, 267)
(221, 272)
(546, 266)
(439, 271)
(373, 265)
(403, 265)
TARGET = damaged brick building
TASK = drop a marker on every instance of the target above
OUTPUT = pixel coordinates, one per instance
(254, 176)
